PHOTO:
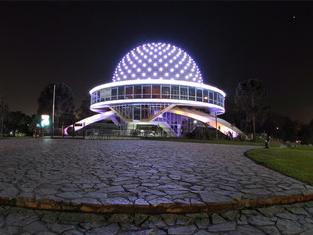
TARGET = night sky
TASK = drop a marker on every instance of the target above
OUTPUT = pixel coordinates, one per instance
(81, 43)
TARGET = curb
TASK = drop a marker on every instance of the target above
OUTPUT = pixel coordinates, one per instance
(166, 208)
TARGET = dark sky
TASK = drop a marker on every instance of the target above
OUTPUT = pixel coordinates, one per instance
(81, 43)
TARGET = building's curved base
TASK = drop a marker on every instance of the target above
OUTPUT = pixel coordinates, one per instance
(223, 126)
(89, 120)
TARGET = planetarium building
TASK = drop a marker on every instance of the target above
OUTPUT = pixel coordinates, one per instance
(158, 85)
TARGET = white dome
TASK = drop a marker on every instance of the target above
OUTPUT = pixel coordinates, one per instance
(157, 61)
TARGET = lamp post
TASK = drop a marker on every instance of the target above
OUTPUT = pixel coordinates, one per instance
(53, 109)
(216, 126)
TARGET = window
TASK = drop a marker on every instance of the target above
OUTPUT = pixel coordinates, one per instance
(114, 93)
(183, 93)
(175, 92)
(155, 91)
(98, 96)
(166, 92)
(211, 98)
(129, 92)
(220, 100)
(144, 111)
(121, 92)
(105, 94)
(94, 97)
(137, 112)
(215, 101)
(205, 96)
(199, 95)
(146, 91)
(137, 92)
(192, 93)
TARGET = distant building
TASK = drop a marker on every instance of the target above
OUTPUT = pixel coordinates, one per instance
(158, 86)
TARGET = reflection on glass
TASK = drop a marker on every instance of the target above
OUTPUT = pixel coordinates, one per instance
(155, 91)
(129, 92)
(146, 91)
(166, 92)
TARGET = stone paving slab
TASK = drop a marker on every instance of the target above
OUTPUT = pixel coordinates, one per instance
(274, 220)
(136, 172)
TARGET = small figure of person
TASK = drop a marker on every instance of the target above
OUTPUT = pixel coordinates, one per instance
(267, 141)
(230, 135)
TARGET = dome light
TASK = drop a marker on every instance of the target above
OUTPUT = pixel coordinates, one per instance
(164, 58)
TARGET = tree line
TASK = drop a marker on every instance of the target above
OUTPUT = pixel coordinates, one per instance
(250, 111)
(15, 123)
(247, 109)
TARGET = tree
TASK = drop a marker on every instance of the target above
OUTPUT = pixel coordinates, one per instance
(18, 122)
(250, 96)
(281, 127)
(84, 109)
(233, 115)
(64, 103)
(306, 133)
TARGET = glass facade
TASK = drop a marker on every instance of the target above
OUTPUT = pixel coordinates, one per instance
(139, 111)
(158, 92)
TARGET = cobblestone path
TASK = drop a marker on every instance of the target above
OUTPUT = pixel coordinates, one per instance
(135, 172)
(275, 220)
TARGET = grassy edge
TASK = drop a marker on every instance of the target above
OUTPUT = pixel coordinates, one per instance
(246, 154)
(204, 141)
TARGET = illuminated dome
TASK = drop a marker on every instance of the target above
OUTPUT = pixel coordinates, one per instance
(157, 90)
(157, 61)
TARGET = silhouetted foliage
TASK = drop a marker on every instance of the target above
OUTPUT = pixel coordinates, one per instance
(18, 123)
(64, 103)
(233, 114)
(250, 100)
(84, 109)
(306, 133)
(281, 127)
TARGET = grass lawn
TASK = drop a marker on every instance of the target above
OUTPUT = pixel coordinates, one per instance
(295, 162)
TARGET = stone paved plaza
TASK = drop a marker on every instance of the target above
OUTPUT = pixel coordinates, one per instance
(274, 220)
(135, 172)
(143, 173)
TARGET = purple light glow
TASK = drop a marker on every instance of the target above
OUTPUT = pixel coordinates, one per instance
(89, 120)
(157, 60)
